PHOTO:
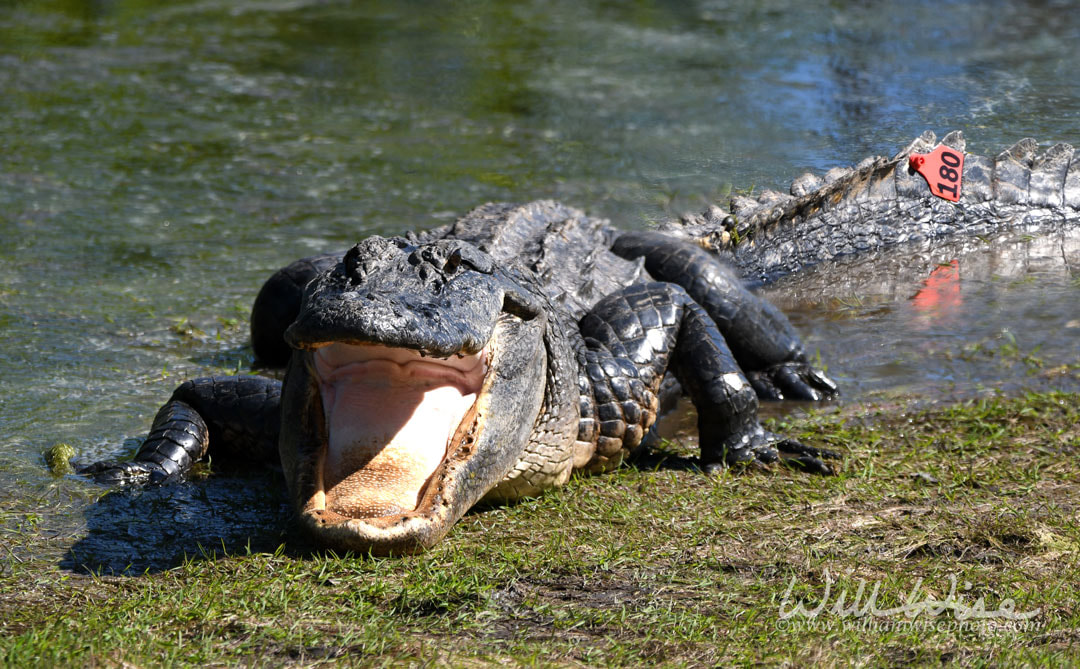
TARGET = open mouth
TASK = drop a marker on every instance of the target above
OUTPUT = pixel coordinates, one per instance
(392, 417)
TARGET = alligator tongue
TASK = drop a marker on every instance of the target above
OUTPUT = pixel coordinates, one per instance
(389, 421)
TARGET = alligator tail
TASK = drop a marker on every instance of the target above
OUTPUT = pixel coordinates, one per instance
(882, 202)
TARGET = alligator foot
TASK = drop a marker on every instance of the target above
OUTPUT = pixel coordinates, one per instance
(758, 334)
(243, 412)
(125, 473)
(792, 381)
(763, 448)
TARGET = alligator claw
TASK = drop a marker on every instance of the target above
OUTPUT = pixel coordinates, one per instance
(124, 473)
(806, 458)
(792, 381)
(765, 448)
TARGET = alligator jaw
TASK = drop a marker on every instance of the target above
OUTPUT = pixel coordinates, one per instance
(402, 498)
(394, 422)
(392, 415)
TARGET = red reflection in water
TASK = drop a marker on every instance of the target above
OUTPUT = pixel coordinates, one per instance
(940, 293)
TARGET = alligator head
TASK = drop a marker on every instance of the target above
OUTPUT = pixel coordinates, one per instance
(413, 366)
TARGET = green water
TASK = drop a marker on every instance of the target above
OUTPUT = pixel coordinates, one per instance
(159, 160)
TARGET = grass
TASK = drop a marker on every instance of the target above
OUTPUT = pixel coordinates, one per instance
(653, 564)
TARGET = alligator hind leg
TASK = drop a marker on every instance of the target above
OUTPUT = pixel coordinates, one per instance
(632, 338)
(228, 417)
(761, 337)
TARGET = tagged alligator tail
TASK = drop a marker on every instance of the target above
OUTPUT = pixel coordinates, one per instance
(882, 202)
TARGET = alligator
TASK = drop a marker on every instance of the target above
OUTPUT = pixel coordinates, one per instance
(488, 359)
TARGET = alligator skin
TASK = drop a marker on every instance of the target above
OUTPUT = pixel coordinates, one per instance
(578, 324)
(881, 203)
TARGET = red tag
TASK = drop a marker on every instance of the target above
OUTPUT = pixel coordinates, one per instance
(943, 169)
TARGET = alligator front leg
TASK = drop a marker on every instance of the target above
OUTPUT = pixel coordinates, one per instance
(228, 417)
(762, 339)
(278, 303)
(632, 339)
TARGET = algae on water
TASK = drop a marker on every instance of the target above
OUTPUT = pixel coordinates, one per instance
(58, 457)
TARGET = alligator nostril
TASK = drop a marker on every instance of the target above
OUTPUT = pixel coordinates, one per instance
(352, 262)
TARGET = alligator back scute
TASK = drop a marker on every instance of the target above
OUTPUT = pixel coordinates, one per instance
(880, 184)
(805, 184)
(1071, 192)
(1012, 172)
(1046, 187)
(557, 244)
(978, 181)
(955, 140)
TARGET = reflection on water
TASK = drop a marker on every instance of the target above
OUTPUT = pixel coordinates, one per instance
(948, 319)
(158, 161)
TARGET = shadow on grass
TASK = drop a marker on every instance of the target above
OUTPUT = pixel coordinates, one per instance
(653, 459)
(139, 530)
(133, 531)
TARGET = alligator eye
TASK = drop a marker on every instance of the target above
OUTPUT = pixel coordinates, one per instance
(468, 255)
(521, 304)
(453, 262)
